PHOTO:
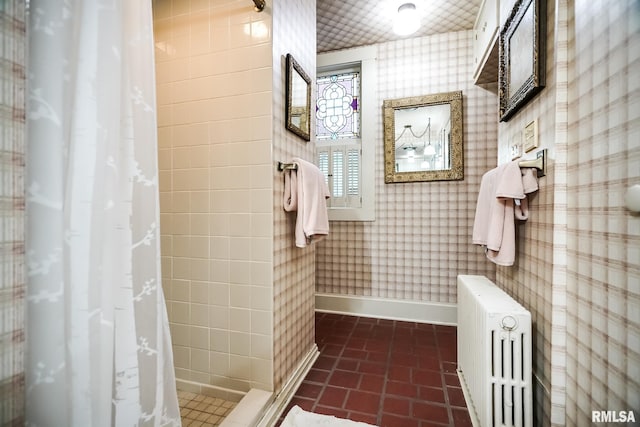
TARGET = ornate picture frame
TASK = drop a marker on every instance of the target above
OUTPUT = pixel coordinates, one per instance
(522, 56)
(298, 99)
(451, 150)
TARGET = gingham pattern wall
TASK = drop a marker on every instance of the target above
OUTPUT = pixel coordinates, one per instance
(578, 269)
(12, 213)
(603, 237)
(293, 268)
(421, 238)
(529, 280)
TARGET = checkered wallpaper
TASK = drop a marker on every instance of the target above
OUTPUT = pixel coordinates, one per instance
(293, 268)
(603, 237)
(538, 270)
(578, 270)
(13, 50)
(421, 238)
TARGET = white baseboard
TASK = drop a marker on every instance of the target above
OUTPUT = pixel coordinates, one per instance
(279, 404)
(393, 309)
(475, 422)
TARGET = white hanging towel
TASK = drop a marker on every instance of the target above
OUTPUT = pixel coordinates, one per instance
(501, 199)
(306, 191)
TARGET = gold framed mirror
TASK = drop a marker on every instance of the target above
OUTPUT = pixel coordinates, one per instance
(423, 138)
(298, 97)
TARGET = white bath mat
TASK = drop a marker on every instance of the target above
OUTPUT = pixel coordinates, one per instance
(297, 417)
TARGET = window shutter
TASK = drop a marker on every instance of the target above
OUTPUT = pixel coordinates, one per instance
(353, 177)
(337, 171)
(323, 164)
(344, 180)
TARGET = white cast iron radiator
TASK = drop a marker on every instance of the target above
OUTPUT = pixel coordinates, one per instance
(494, 354)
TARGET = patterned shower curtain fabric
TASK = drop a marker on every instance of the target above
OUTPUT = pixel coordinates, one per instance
(99, 350)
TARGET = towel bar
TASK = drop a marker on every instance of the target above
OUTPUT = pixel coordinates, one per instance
(540, 163)
(287, 166)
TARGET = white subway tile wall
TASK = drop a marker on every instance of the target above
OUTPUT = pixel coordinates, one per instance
(214, 85)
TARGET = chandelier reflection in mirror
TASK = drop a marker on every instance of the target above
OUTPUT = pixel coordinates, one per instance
(422, 150)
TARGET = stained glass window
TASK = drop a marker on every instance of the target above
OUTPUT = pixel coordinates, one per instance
(338, 109)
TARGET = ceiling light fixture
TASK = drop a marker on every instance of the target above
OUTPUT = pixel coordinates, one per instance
(406, 21)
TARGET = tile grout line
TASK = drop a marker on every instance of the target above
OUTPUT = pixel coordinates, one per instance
(344, 347)
(443, 378)
(386, 375)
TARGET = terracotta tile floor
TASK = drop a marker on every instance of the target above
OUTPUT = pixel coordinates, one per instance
(383, 372)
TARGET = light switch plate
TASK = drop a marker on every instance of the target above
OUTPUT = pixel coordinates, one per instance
(515, 148)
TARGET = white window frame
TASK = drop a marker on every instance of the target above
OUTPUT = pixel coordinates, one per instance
(365, 58)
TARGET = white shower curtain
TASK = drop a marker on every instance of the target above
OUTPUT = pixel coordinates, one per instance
(99, 350)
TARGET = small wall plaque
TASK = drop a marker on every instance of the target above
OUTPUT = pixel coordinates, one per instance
(530, 136)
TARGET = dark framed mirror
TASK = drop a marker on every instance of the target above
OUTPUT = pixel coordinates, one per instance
(521, 73)
(298, 99)
(423, 138)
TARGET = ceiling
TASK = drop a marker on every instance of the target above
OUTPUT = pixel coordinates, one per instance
(343, 24)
